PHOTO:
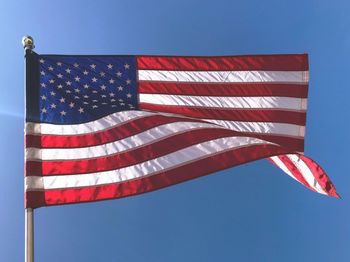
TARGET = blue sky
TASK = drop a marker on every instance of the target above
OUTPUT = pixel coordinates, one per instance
(249, 213)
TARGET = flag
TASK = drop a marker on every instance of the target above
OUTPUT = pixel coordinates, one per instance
(105, 127)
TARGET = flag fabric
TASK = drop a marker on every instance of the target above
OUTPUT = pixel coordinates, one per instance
(105, 127)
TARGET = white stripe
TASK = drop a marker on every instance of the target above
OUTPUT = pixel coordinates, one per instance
(146, 168)
(306, 173)
(101, 124)
(141, 139)
(289, 103)
(222, 76)
(262, 127)
(281, 165)
(90, 127)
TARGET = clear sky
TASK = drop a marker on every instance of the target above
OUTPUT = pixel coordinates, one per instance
(248, 213)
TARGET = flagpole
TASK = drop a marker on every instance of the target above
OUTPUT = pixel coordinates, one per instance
(28, 45)
(29, 235)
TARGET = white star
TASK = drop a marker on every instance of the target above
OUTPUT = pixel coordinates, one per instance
(59, 63)
(81, 110)
(103, 87)
(59, 75)
(86, 96)
(102, 74)
(120, 100)
(77, 78)
(42, 61)
(68, 91)
(53, 105)
(111, 81)
(103, 103)
(76, 65)
(43, 110)
(94, 101)
(93, 66)
(95, 106)
(71, 105)
(94, 79)
(110, 66)
(126, 66)
(60, 86)
(120, 88)
(69, 83)
(122, 104)
(76, 97)
(85, 103)
(62, 100)
(113, 100)
(113, 105)
(42, 73)
(128, 81)
(52, 81)
(119, 74)
(86, 86)
(111, 94)
(52, 93)
(68, 71)
(43, 85)
(128, 95)
(103, 96)
(43, 97)
(63, 113)
(94, 91)
(85, 72)
(50, 68)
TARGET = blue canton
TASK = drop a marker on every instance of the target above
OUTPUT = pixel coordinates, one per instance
(78, 89)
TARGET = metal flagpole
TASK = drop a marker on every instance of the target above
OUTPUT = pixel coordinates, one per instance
(28, 45)
(29, 235)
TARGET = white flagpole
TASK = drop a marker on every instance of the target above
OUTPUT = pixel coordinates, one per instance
(28, 45)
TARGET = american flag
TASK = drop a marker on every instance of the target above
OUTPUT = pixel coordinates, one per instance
(104, 127)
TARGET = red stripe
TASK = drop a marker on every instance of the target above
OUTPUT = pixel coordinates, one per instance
(249, 62)
(34, 199)
(229, 89)
(129, 158)
(295, 171)
(105, 136)
(38, 168)
(321, 176)
(167, 178)
(289, 143)
(249, 115)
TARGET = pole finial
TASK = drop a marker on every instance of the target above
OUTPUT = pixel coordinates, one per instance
(28, 42)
